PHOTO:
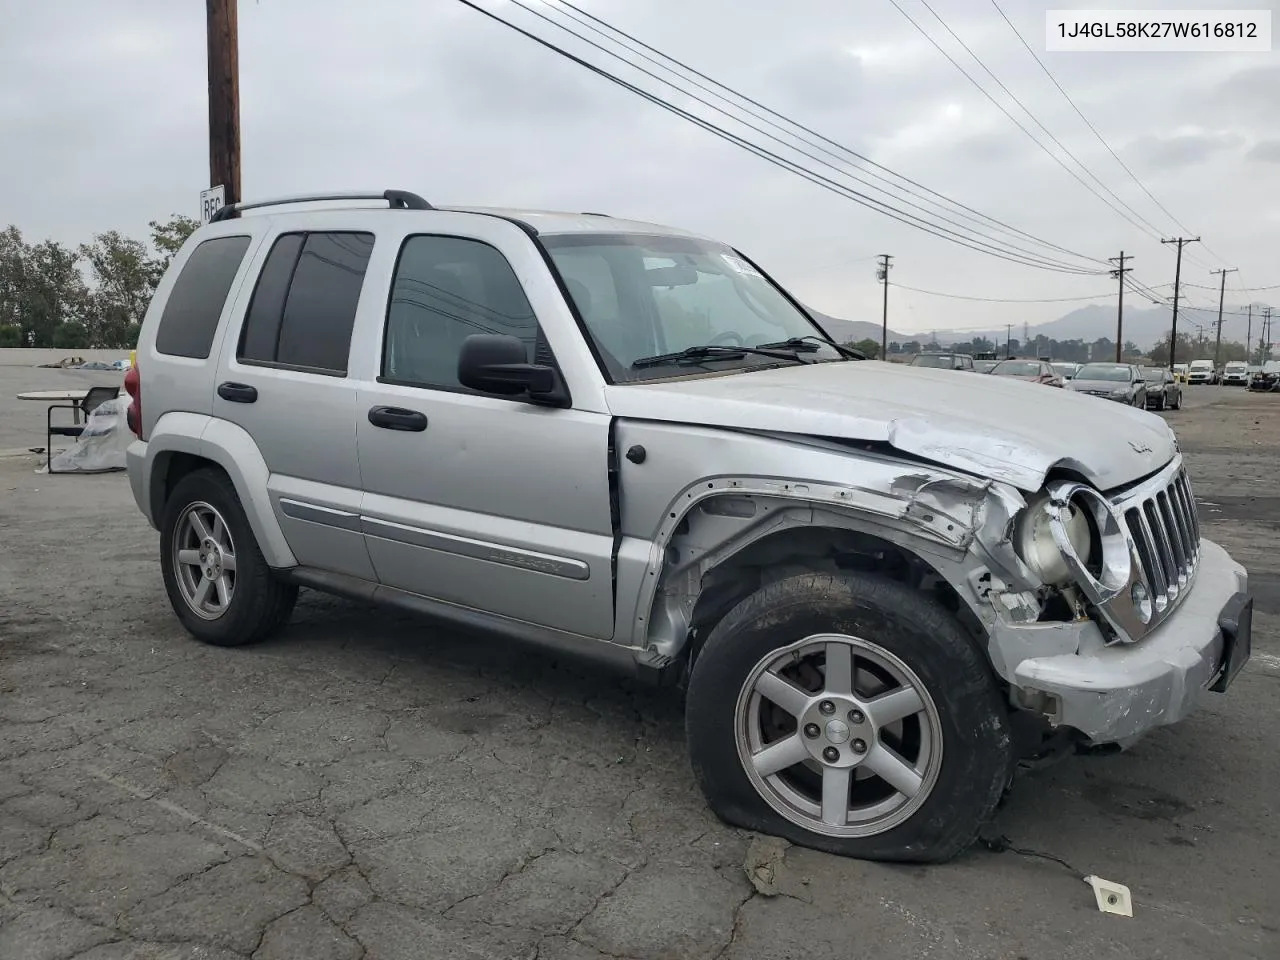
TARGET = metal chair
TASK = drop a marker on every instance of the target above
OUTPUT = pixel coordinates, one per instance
(94, 398)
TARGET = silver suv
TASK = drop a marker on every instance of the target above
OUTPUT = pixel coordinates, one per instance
(883, 586)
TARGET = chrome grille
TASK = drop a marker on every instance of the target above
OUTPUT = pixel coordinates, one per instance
(1165, 528)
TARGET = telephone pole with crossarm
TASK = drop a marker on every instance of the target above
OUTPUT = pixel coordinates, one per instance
(224, 97)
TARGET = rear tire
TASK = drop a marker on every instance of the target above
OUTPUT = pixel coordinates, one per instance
(218, 582)
(955, 751)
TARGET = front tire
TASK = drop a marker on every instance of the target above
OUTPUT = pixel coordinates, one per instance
(850, 714)
(218, 582)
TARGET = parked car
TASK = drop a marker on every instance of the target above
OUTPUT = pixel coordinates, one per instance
(943, 361)
(1033, 371)
(1116, 381)
(1066, 370)
(1267, 379)
(1202, 371)
(1180, 372)
(1163, 391)
(1235, 373)
(627, 442)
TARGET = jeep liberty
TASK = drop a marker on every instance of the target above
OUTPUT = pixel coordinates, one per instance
(882, 586)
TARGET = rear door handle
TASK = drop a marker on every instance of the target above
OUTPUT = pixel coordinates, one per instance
(398, 418)
(237, 392)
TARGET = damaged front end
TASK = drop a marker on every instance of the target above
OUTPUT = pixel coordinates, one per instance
(1103, 614)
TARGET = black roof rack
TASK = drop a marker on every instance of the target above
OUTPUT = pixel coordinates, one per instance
(398, 199)
(592, 213)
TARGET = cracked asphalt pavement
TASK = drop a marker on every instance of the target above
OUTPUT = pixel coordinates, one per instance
(370, 786)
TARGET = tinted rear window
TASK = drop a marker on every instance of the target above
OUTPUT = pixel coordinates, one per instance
(262, 324)
(304, 305)
(321, 310)
(190, 317)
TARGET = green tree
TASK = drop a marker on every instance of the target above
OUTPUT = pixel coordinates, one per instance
(124, 276)
(1186, 351)
(40, 287)
(868, 347)
(167, 238)
(10, 335)
(70, 336)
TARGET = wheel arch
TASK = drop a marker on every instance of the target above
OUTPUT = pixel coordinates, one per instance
(181, 443)
(725, 539)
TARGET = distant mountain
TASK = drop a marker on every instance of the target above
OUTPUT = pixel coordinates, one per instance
(851, 331)
(1143, 325)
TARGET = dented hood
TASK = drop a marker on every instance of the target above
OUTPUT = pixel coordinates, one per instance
(994, 427)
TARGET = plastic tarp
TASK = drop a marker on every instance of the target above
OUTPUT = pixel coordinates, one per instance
(102, 445)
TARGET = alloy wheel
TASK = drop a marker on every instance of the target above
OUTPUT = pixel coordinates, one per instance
(839, 735)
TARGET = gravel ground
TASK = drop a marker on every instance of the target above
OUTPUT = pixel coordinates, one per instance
(370, 786)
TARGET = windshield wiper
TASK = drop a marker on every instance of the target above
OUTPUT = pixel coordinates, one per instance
(714, 351)
(811, 342)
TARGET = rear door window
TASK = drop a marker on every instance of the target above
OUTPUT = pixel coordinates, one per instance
(304, 305)
(190, 318)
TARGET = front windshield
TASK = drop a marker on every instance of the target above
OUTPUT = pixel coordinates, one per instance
(1112, 372)
(1017, 368)
(1151, 374)
(984, 366)
(1064, 369)
(945, 362)
(644, 295)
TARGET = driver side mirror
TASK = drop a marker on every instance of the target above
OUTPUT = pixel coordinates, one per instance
(497, 363)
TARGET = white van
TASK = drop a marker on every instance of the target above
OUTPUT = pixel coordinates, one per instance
(1235, 373)
(1201, 371)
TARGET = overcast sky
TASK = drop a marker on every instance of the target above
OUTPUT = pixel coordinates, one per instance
(103, 125)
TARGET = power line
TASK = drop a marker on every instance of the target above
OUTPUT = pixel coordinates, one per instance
(995, 245)
(1101, 139)
(642, 49)
(960, 296)
(982, 246)
(999, 244)
(1143, 225)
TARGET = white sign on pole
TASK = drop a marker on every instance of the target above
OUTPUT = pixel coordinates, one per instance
(211, 201)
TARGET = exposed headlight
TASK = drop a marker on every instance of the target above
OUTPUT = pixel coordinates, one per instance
(1039, 549)
(1119, 393)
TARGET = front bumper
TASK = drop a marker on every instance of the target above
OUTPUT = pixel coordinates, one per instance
(1125, 398)
(1117, 693)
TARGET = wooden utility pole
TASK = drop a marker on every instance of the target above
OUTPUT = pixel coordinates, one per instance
(224, 98)
(883, 274)
(1008, 340)
(1266, 336)
(1248, 338)
(1177, 286)
(1222, 290)
(1119, 273)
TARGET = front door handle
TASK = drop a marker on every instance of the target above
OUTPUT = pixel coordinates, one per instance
(237, 392)
(398, 418)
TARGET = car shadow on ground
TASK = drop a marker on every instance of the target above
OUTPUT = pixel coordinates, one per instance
(479, 684)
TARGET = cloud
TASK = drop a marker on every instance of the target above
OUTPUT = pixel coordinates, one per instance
(103, 112)
(1266, 151)
(1182, 149)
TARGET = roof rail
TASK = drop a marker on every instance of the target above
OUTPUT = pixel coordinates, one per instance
(592, 213)
(398, 199)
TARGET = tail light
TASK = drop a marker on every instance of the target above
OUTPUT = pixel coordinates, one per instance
(133, 387)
